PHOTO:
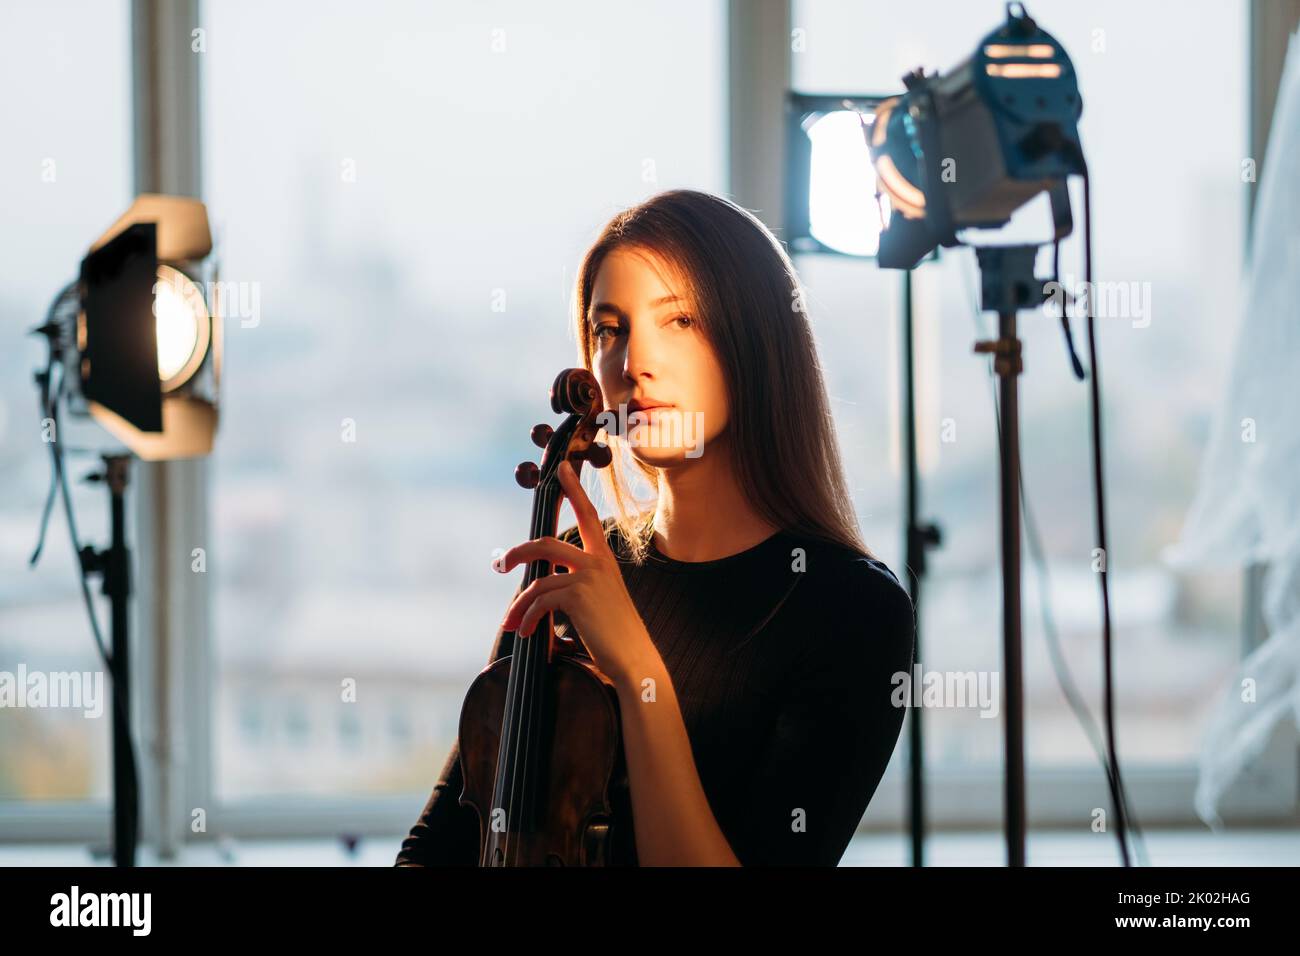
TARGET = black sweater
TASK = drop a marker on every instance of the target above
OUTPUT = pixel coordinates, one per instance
(783, 658)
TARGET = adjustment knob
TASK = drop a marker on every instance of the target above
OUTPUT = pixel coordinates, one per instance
(599, 455)
(527, 474)
(541, 434)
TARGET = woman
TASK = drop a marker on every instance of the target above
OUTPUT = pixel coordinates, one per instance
(752, 637)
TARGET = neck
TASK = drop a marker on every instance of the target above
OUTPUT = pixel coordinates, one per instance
(701, 513)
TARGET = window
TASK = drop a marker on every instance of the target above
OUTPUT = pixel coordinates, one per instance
(403, 264)
(409, 194)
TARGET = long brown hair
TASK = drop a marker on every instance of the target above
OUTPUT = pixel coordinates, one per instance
(750, 307)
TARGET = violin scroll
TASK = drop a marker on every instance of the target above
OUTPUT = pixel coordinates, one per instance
(575, 392)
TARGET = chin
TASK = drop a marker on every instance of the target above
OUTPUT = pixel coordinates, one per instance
(661, 457)
(667, 456)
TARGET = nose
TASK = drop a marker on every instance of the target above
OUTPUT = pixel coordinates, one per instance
(638, 357)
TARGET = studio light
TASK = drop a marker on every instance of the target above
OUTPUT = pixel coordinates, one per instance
(965, 150)
(968, 148)
(144, 357)
(135, 345)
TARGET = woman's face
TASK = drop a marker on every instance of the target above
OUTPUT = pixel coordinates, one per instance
(649, 350)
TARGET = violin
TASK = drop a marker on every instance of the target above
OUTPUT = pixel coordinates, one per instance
(541, 742)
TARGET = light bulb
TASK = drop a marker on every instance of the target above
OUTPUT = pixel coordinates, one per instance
(842, 210)
(182, 329)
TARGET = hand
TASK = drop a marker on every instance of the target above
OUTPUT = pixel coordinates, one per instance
(592, 594)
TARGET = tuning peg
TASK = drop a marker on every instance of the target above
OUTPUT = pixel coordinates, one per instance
(527, 474)
(541, 434)
(598, 455)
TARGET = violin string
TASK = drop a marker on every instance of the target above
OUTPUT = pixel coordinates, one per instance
(500, 797)
(518, 688)
(527, 691)
(536, 671)
(505, 749)
(534, 654)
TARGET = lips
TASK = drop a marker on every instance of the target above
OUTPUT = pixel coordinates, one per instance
(642, 405)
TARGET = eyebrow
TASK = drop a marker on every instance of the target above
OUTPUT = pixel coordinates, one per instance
(609, 308)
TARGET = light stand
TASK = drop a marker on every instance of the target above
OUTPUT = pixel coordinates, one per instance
(114, 565)
(1008, 285)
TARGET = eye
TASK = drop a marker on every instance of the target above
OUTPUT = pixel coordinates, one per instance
(602, 329)
(685, 318)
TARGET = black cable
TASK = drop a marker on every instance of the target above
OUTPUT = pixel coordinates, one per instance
(1098, 473)
(1075, 365)
(51, 330)
(43, 381)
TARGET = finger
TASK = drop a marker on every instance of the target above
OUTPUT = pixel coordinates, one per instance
(525, 598)
(589, 524)
(540, 608)
(549, 548)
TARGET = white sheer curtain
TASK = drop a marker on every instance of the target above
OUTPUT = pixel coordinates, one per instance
(1247, 507)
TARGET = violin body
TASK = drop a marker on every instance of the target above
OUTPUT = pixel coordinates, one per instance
(541, 742)
(583, 814)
